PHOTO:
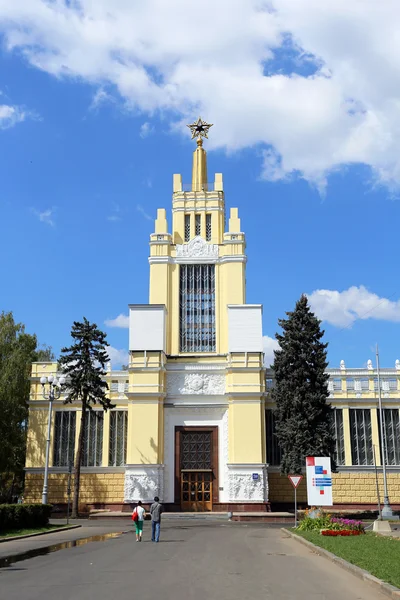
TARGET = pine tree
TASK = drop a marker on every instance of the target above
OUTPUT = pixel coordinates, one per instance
(304, 417)
(83, 364)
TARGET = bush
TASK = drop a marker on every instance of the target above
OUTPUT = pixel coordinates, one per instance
(24, 516)
(321, 521)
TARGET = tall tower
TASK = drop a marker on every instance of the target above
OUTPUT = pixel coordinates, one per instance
(196, 412)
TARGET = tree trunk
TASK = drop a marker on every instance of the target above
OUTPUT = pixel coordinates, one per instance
(78, 461)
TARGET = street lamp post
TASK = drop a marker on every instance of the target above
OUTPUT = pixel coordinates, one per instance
(52, 393)
(387, 512)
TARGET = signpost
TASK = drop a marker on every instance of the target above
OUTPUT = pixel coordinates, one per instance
(295, 481)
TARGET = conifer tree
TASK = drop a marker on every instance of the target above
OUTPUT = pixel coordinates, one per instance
(83, 364)
(304, 417)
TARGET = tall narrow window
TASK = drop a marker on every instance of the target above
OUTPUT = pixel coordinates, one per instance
(93, 439)
(208, 228)
(274, 452)
(391, 432)
(64, 438)
(339, 436)
(361, 436)
(198, 224)
(187, 228)
(118, 432)
(197, 308)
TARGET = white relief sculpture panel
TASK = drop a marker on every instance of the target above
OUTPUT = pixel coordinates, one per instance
(197, 248)
(206, 384)
(143, 483)
(244, 488)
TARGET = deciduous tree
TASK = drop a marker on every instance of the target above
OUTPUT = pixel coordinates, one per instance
(18, 350)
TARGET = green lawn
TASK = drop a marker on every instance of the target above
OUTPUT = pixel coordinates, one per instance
(378, 555)
(16, 532)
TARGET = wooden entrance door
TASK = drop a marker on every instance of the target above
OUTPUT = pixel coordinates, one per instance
(196, 491)
(196, 468)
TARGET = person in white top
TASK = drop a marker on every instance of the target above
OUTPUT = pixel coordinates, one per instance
(138, 516)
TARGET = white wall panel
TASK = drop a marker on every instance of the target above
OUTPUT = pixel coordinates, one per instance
(147, 327)
(245, 328)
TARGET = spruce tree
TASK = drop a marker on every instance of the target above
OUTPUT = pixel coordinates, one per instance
(303, 416)
(83, 364)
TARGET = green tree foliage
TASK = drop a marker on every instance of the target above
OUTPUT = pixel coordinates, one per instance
(83, 364)
(18, 350)
(304, 417)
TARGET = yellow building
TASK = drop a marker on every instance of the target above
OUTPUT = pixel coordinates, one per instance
(193, 421)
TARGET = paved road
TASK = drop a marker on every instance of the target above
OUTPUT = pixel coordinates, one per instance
(193, 561)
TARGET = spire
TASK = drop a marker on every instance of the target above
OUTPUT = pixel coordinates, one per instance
(199, 173)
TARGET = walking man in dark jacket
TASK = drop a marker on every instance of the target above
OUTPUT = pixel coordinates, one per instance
(156, 510)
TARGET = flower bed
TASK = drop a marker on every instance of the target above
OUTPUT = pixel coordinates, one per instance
(341, 532)
(328, 525)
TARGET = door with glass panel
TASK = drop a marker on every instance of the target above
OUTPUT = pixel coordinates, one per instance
(196, 468)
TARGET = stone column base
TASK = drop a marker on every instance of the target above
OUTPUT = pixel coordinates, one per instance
(143, 482)
(247, 483)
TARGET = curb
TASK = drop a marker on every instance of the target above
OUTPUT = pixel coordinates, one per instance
(385, 588)
(29, 535)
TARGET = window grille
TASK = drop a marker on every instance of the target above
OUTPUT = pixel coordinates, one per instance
(118, 436)
(187, 228)
(198, 224)
(196, 450)
(274, 452)
(350, 384)
(339, 436)
(269, 384)
(337, 385)
(114, 386)
(93, 439)
(197, 308)
(208, 228)
(64, 438)
(361, 436)
(365, 384)
(391, 432)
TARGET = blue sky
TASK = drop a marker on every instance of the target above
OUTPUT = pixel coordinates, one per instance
(88, 157)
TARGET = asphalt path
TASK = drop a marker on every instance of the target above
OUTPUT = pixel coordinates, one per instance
(194, 560)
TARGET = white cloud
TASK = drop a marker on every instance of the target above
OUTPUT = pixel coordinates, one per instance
(146, 129)
(141, 210)
(10, 116)
(100, 97)
(45, 216)
(337, 102)
(343, 308)
(117, 357)
(121, 321)
(269, 345)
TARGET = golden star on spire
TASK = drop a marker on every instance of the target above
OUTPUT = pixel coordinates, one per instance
(199, 128)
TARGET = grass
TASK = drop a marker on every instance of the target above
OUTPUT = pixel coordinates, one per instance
(376, 554)
(17, 532)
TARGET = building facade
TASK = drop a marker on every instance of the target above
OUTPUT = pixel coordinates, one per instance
(193, 421)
